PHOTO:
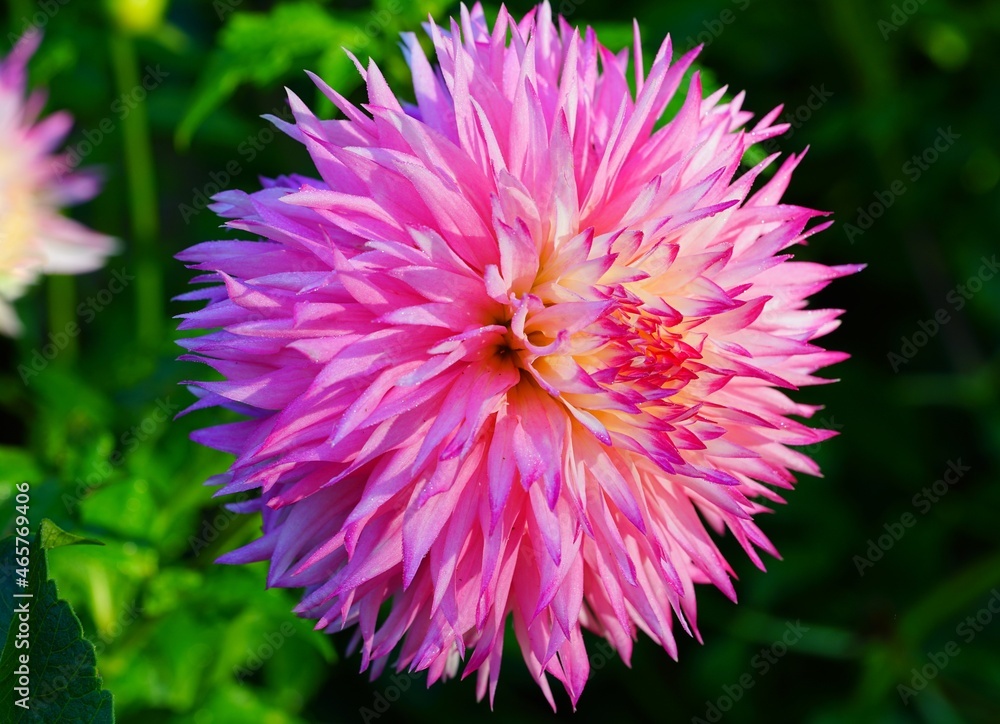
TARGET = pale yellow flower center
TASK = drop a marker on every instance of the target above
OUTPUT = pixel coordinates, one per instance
(20, 256)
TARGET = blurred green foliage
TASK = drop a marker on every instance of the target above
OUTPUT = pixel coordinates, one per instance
(866, 85)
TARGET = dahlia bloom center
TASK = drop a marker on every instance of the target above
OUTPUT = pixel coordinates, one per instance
(575, 327)
(34, 236)
(18, 227)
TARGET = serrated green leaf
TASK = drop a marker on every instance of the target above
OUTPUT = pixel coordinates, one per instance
(55, 537)
(63, 684)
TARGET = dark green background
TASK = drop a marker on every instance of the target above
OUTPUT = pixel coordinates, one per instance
(173, 629)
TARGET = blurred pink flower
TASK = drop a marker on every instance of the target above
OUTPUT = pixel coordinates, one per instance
(35, 238)
(514, 354)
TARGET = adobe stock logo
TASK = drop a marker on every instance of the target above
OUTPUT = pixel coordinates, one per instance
(923, 501)
(901, 14)
(762, 662)
(937, 661)
(956, 298)
(913, 170)
(86, 310)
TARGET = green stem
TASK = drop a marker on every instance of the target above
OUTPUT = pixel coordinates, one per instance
(62, 305)
(142, 195)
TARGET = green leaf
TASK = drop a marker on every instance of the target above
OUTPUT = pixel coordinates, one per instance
(261, 48)
(55, 537)
(17, 465)
(63, 685)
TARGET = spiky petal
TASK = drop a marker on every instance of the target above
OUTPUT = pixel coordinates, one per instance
(513, 353)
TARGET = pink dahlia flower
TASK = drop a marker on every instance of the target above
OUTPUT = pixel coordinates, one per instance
(35, 238)
(513, 354)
